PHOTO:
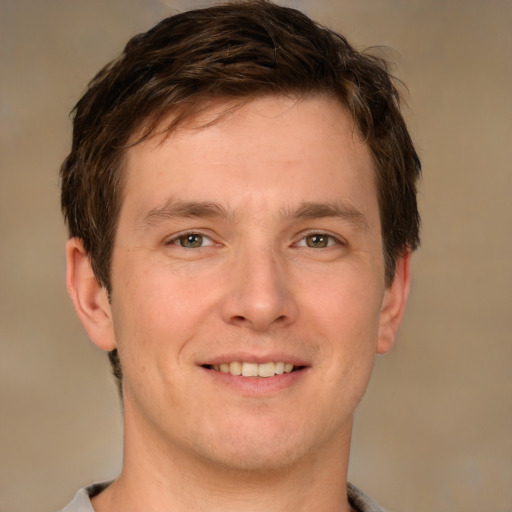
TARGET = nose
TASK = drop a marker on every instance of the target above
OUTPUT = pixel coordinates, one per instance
(259, 293)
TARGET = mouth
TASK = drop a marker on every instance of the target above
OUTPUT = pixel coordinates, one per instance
(246, 369)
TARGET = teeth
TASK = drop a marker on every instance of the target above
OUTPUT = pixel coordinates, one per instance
(267, 370)
(254, 369)
(249, 369)
(235, 368)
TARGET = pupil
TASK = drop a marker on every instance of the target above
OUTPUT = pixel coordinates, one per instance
(191, 241)
(317, 241)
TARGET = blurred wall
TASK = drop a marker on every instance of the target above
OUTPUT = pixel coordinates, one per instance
(435, 429)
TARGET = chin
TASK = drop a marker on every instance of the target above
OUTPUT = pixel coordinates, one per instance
(255, 459)
(260, 450)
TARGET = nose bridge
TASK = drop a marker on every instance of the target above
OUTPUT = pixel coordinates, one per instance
(259, 294)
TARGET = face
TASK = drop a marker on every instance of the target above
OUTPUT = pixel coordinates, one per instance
(248, 296)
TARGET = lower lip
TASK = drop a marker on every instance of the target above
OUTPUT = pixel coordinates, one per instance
(257, 385)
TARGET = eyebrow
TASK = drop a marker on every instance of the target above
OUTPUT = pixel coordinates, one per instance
(173, 210)
(315, 210)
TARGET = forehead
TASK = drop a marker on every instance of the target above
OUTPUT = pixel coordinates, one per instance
(269, 146)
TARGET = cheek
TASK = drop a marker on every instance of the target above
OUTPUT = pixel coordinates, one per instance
(343, 312)
(344, 298)
(159, 307)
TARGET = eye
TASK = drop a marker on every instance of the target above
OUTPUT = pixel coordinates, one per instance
(318, 241)
(191, 241)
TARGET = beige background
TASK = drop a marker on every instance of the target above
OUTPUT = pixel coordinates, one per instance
(434, 432)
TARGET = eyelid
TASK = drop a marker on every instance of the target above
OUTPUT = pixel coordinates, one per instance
(336, 238)
(173, 239)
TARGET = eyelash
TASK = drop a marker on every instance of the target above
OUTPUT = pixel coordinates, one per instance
(331, 240)
(176, 240)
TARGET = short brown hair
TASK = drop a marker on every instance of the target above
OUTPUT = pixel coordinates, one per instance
(238, 51)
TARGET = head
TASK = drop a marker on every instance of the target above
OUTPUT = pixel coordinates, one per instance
(235, 52)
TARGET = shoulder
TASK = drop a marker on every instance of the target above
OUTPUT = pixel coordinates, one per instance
(82, 500)
(361, 501)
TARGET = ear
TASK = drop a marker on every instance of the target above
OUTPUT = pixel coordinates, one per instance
(393, 304)
(89, 296)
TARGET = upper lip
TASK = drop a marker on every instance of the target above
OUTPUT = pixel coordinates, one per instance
(247, 357)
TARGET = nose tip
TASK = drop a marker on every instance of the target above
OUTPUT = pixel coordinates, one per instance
(259, 297)
(258, 319)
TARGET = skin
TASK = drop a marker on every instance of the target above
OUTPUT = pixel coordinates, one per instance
(287, 265)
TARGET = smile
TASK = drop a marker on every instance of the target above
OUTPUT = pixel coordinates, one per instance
(245, 369)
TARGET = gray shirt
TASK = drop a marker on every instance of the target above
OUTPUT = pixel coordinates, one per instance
(82, 501)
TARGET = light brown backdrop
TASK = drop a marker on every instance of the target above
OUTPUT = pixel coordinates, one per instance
(434, 432)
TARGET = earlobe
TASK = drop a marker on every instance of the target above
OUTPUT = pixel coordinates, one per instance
(89, 296)
(393, 304)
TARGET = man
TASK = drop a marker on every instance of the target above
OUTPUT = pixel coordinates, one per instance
(241, 205)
